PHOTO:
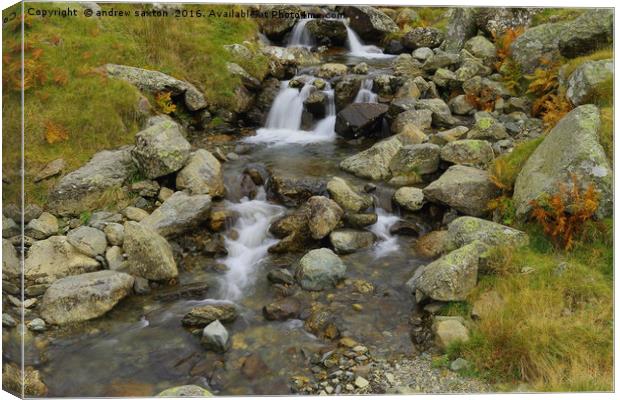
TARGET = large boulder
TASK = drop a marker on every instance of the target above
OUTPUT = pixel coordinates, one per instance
(83, 297)
(347, 241)
(410, 198)
(451, 277)
(148, 254)
(448, 331)
(465, 230)
(482, 48)
(11, 268)
(292, 191)
(328, 32)
(42, 227)
(202, 175)
(584, 82)
(347, 197)
(570, 149)
(55, 258)
(325, 214)
(82, 189)
(422, 37)
(156, 82)
(440, 111)
(413, 161)
(420, 119)
(330, 70)
(593, 29)
(360, 119)
(281, 19)
(370, 23)
(475, 153)
(320, 269)
(461, 26)
(161, 149)
(374, 162)
(463, 188)
(537, 44)
(495, 21)
(179, 213)
(346, 89)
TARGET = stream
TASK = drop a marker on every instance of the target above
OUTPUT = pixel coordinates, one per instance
(141, 348)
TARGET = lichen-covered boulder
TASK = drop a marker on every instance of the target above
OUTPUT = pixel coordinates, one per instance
(572, 147)
(202, 175)
(328, 32)
(149, 255)
(584, 83)
(320, 269)
(330, 70)
(463, 188)
(461, 26)
(374, 162)
(440, 111)
(451, 277)
(83, 297)
(281, 20)
(410, 198)
(475, 153)
(87, 240)
(347, 197)
(370, 23)
(482, 48)
(324, 216)
(422, 37)
(179, 213)
(413, 161)
(592, 29)
(347, 241)
(487, 128)
(465, 230)
(161, 149)
(537, 44)
(81, 189)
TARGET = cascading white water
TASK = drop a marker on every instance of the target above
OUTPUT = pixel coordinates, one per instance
(358, 49)
(284, 119)
(301, 37)
(249, 247)
(388, 243)
(365, 94)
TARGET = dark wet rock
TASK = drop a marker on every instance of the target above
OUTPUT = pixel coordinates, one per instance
(253, 366)
(394, 47)
(215, 337)
(276, 28)
(292, 191)
(83, 297)
(407, 228)
(345, 90)
(55, 258)
(282, 309)
(186, 291)
(451, 277)
(185, 391)
(203, 315)
(347, 241)
(179, 213)
(281, 276)
(571, 148)
(385, 84)
(258, 172)
(156, 82)
(294, 231)
(422, 37)
(141, 286)
(81, 189)
(316, 104)
(320, 269)
(321, 323)
(360, 119)
(161, 149)
(474, 153)
(328, 32)
(592, 29)
(465, 189)
(465, 230)
(202, 174)
(370, 23)
(149, 255)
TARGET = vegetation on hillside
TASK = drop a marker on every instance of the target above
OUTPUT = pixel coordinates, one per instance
(73, 110)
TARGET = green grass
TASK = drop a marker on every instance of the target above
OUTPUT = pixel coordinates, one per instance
(69, 92)
(553, 331)
(506, 167)
(547, 15)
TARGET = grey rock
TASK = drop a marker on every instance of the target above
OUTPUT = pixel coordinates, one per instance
(487, 129)
(161, 149)
(114, 233)
(459, 105)
(415, 160)
(181, 212)
(8, 321)
(374, 162)
(461, 26)
(36, 325)
(9, 227)
(471, 152)
(422, 37)
(592, 29)
(52, 169)
(83, 297)
(149, 255)
(348, 198)
(135, 213)
(463, 188)
(87, 240)
(11, 269)
(215, 337)
(440, 111)
(202, 175)
(42, 227)
(571, 147)
(185, 391)
(449, 330)
(410, 198)
(482, 48)
(465, 230)
(583, 83)
(347, 241)
(421, 119)
(114, 258)
(320, 269)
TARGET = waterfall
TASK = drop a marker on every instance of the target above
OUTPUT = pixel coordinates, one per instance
(365, 94)
(249, 247)
(359, 49)
(388, 243)
(301, 37)
(284, 119)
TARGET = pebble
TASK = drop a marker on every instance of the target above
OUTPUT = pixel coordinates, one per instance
(8, 321)
(361, 382)
(36, 325)
(349, 387)
(232, 156)
(358, 307)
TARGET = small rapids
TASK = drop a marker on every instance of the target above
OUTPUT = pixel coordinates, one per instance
(301, 37)
(358, 49)
(365, 94)
(388, 243)
(247, 250)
